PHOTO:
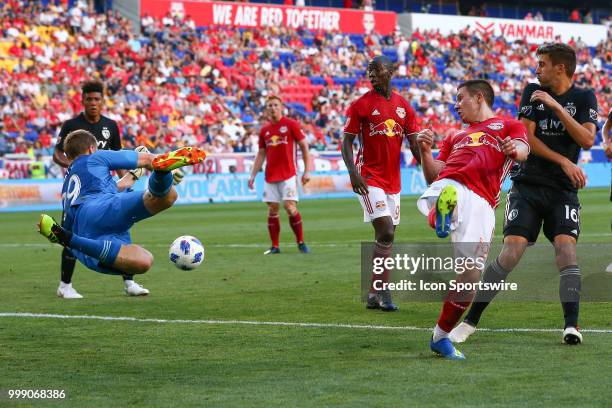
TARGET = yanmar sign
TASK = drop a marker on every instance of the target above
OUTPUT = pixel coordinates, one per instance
(531, 31)
(252, 15)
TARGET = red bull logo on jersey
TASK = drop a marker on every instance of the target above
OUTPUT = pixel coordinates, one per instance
(389, 128)
(276, 140)
(477, 139)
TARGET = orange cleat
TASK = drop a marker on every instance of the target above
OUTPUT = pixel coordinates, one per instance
(185, 156)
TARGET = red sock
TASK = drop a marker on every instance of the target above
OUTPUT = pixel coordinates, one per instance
(431, 218)
(295, 221)
(453, 308)
(274, 229)
(380, 251)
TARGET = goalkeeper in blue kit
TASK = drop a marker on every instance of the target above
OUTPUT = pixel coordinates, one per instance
(97, 217)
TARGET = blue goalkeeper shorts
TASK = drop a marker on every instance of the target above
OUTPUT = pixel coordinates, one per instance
(106, 217)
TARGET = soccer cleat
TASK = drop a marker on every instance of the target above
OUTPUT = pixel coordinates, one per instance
(50, 229)
(382, 301)
(66, 291)
(303, 248)
(386, 303)
(461, 333)
(373, 302)
(572, 335)
(609, 268)
(445, 348)
(447, 201)
(185, 156)
(272, 251)
(134, 289)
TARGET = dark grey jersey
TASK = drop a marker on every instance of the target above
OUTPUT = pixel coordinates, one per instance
(582, 106)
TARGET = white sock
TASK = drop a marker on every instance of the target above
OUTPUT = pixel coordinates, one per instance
(128, 282)
(65, 285)
(439, 334)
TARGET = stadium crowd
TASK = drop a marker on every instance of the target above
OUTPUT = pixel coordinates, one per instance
(175, 84)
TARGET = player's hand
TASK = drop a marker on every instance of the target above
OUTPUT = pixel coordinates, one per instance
(359, 184)
(608, 150)
(508, 147)
(177, 176)
(575, 174)
(545, 98)
(251, 183)
(425, 139)
(305, 178)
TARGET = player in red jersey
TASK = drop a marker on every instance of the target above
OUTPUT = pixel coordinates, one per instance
(380, 119)
(277, 141)
(465, 186)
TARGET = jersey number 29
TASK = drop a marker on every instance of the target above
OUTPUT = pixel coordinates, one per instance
(72, 191)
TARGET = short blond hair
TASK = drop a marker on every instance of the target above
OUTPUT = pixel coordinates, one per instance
(78, 142)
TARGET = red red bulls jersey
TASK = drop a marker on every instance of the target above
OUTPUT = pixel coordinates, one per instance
(279, 141)
(474, 157)
(381, 125)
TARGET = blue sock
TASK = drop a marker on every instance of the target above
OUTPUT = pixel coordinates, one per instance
(105, 251)
(160, 183)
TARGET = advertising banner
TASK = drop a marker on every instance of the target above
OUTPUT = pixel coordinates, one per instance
(531, 31)
(35, 195)
(252, 15)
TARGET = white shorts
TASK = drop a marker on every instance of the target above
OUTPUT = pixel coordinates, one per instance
(379, 204)
(286, 190)
(473, 219)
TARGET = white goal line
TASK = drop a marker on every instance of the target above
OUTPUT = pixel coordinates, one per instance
(278, 324)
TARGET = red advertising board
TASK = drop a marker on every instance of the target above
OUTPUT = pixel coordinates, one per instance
(251, 15)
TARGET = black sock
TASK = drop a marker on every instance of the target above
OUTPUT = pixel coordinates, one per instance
(63, 235)
(494, 273)
(128, 277)
(68, 263)
(569, 293)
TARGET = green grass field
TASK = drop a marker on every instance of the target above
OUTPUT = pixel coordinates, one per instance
(205, 353)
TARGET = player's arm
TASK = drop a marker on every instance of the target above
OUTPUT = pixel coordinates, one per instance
(607, 138)
(539, 148)
(414, 147)
(303, 144)
(122, 173)
(431, 167)
(359, 185)
(582, 133)
(59, 157)
(515, 149)
(126, 181)
(259, 160)
(515, 144)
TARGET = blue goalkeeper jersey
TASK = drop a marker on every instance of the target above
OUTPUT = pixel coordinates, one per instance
(90, 175)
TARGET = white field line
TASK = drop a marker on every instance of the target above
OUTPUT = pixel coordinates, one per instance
(278, 324)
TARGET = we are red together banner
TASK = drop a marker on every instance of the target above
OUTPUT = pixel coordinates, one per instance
(251, 15)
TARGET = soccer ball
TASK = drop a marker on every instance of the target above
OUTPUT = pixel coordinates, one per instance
(186, 252)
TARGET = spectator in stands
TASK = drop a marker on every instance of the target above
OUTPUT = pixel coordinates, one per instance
(574, 16)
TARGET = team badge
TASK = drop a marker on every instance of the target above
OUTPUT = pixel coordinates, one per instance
(526, 110)
(570, 108)
(401, 112)
(283, 129)
(496, 125)
(513, 214)
(380, 205)
(593, 114)
(105, 133)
